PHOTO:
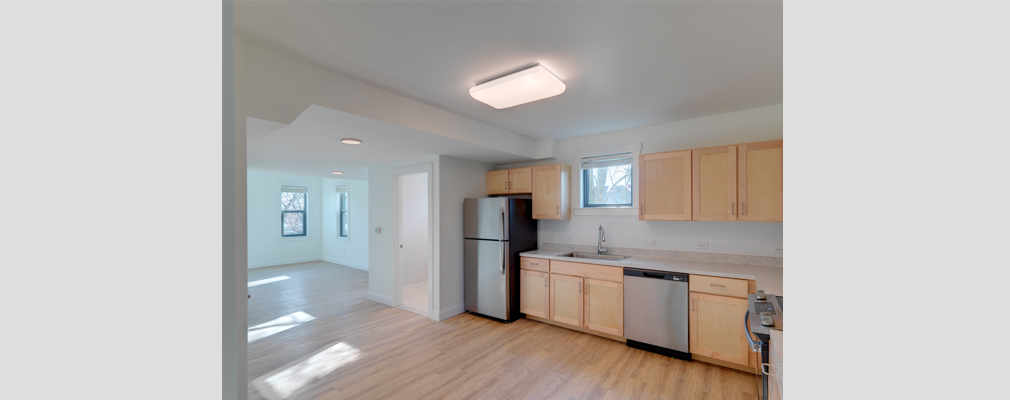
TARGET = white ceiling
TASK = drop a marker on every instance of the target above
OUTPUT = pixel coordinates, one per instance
(310, 145)
(626, 64)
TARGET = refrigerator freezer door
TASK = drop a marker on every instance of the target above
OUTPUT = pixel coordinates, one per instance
(485, 274)
(486, 218)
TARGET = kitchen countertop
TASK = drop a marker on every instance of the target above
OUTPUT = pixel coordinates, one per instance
(768, 279)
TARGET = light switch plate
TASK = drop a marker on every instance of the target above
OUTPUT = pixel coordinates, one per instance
(701, 245)
(777, 249)
(650, 242)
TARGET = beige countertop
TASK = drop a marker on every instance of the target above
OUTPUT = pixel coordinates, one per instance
(768, 279)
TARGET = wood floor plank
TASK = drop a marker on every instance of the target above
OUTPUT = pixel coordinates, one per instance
(406, 356)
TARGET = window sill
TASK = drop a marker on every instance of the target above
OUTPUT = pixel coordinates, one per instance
(612, 211)
(343, 239)
(294, 238)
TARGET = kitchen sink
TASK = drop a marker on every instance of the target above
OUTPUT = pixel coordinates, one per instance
(594, 256)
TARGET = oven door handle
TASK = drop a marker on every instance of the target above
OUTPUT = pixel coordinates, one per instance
(754, 345)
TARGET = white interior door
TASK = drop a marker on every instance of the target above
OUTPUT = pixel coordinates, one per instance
(413, 242)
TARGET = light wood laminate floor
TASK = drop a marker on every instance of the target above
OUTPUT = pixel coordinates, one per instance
(401, 355)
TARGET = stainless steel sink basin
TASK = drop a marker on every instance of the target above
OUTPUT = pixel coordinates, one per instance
(594, 256)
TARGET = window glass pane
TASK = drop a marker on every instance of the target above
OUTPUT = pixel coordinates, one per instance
(293, 223)
(607, 181)
(344, 226)
(292, 201)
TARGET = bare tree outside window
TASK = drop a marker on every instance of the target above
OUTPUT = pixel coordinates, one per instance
(293, 211)
(607, 180)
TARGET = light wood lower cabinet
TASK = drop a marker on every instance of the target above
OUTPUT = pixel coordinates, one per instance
(717, 328)
(585, 297)
(566, 299)
(533, 293)
(604, 306)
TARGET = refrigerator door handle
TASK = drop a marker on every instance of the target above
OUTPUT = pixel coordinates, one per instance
(502, 223)
(501, 257)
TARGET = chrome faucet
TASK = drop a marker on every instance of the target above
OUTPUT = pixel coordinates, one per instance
(601, 248)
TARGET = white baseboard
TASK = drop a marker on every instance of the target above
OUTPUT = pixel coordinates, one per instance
(380, 298)
(354, 265)
(282, 262)
(451, 311)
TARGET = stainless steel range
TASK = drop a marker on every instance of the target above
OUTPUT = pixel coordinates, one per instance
(764, 314)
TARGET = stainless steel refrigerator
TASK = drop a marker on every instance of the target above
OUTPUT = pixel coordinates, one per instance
(495, 231)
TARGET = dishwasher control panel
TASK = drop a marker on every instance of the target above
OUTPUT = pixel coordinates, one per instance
(669, 276)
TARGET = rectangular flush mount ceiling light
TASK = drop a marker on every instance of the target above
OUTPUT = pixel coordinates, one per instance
(530, 84)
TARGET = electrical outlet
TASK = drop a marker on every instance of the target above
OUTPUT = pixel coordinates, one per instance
(777, 249)
(701, 245)
(650, 242)
(551, 237)
(568, 238)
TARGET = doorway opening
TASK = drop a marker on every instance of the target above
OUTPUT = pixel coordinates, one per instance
(414, 242)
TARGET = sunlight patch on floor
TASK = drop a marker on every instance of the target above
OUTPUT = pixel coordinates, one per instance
(278, 325)
(282, 383)
(268, 280)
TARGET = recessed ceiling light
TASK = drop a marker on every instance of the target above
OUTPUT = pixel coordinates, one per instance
(350, 141)
(337, 173)
(530, 84)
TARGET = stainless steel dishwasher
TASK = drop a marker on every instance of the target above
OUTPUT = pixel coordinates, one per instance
(656, 312)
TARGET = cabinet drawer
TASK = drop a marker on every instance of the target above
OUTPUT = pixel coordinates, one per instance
(534, 264)
(721, 286)
(602, 272)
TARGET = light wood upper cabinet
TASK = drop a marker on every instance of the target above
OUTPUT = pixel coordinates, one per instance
(521, 180)
(717, 328)
(566, 299)
(533, 293)
(510, 181)
(760, 181)
(498, 182)
(604, 306)
(664, 186)
(551, 192)
(714, 185)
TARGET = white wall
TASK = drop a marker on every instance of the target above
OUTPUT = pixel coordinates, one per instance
(414, 228)
(353, 250)
(266, 246)
(381, 214)
(746, 238)
(461, 179)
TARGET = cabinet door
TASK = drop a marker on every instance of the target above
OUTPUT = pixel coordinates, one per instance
(566, 299)
(521, 180)
(714, 184)
(604, 306)
(717, 330)
(533, 293)
(664, 186)
(760, 181)
(498, 182)
(547, 192)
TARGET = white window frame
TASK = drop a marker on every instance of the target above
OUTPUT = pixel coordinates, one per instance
(348, 237)
(280, 189)
(577, 200)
